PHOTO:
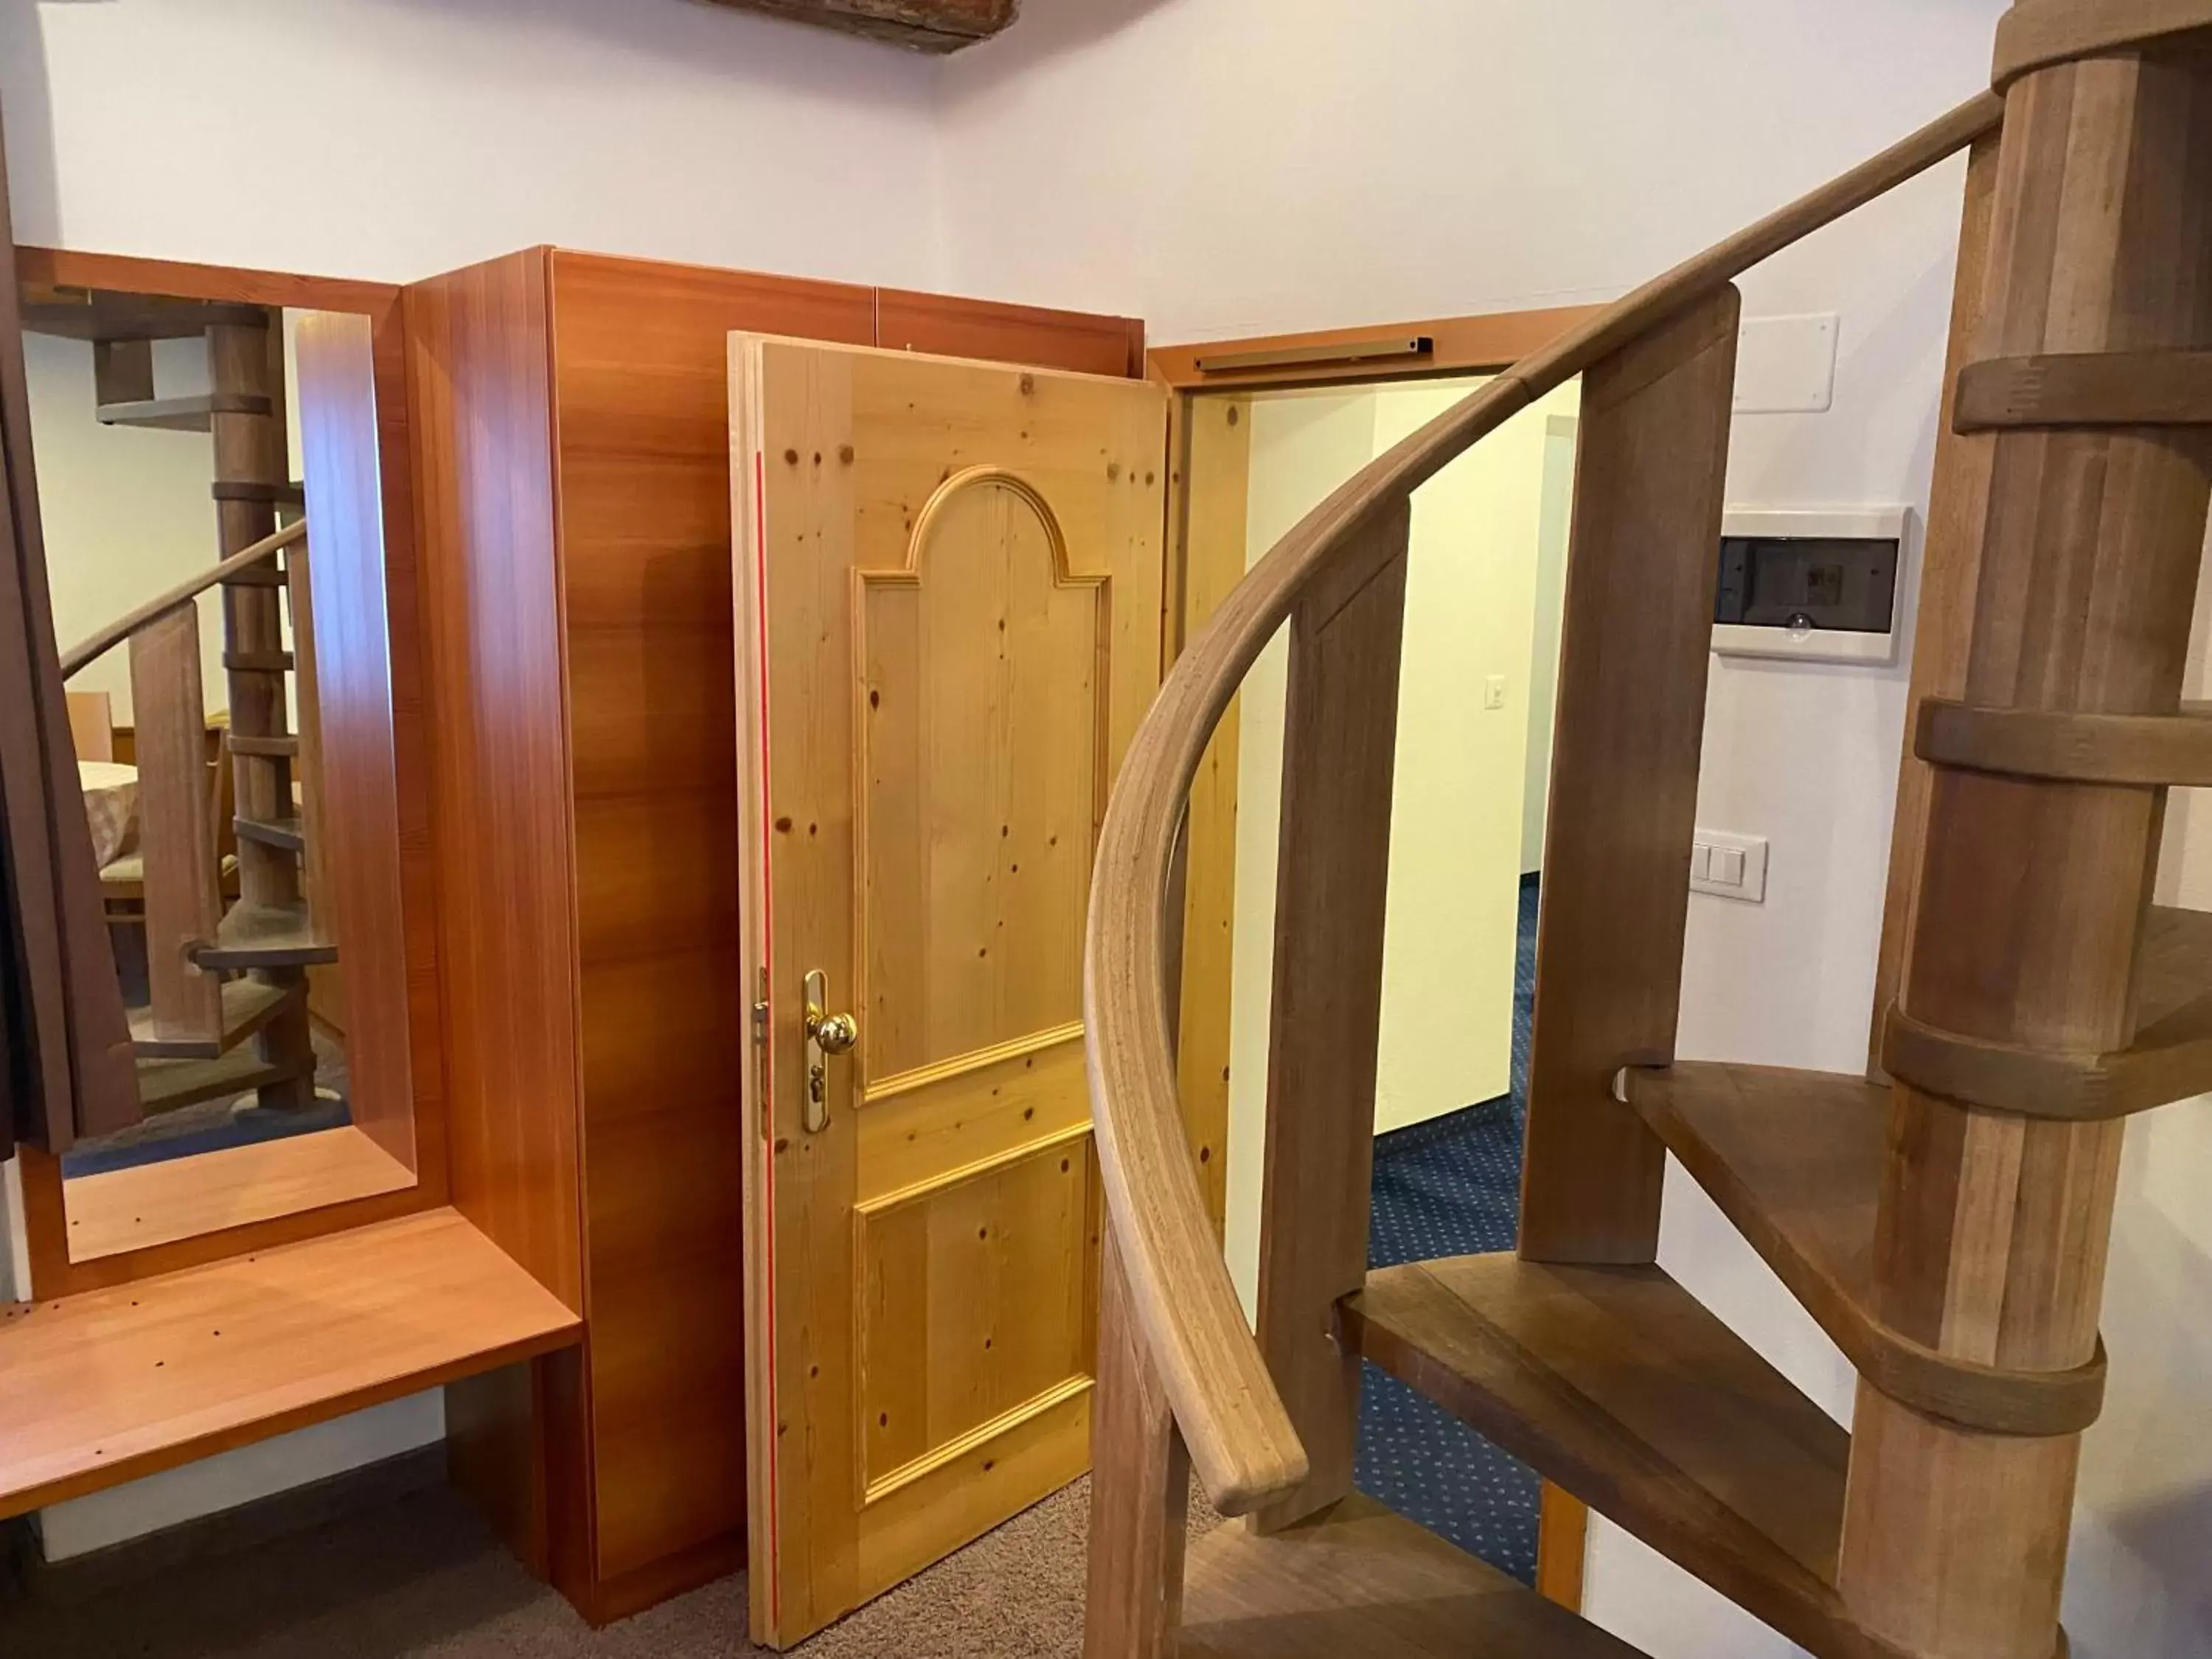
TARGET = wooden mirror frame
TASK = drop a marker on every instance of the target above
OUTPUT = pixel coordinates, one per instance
(398, 1002)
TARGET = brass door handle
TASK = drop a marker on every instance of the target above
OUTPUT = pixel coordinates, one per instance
(826, 1034)
(835, 1033)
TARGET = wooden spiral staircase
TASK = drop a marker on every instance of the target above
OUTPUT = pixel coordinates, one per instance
(230, 940)
(1946, 1222)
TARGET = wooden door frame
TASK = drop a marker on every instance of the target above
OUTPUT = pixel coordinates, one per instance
(1488, 343)
(45, 1219)
(1201, 569)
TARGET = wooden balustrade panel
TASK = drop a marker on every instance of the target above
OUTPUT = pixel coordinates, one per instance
(1339, 751)
(1635, 634)
(1139, 1491)
(176, 826)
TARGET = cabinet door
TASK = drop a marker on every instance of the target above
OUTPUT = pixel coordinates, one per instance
(950, 573)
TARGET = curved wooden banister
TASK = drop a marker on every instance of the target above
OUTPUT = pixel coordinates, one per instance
(1241, 1439)
(99, 645)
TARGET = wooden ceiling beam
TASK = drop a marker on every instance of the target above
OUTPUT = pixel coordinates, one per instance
(937, 26)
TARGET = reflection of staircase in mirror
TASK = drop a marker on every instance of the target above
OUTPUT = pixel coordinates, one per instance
(227, 873)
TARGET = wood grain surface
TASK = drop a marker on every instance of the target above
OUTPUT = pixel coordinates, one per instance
(1617, 1384)
(114, 1384)
(1635, 639)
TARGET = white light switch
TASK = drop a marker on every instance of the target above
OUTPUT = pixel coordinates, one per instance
(1729, 866)
(1493, 692)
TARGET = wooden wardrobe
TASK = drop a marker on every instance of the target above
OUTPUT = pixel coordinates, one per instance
(571, 430)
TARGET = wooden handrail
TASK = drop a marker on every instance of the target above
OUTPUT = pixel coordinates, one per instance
(100, 644)
(1242, 1441)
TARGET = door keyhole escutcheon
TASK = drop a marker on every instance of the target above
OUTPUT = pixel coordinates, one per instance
(826, 1034)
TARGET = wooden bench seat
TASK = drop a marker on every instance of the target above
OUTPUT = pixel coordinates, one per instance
(104, 1387)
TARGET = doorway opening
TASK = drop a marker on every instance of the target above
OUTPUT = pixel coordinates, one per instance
(1485, 577)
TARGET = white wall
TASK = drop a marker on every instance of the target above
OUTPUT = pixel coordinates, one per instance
(396, 138)
(126, 510)
(1225, 166)
(1555, 517)
(1302, 448)
(175, 1496)
(1221, 167)
(1451, 921)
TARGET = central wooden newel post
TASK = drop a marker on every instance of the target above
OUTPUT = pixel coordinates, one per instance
(1995, 1216)
(246, 373)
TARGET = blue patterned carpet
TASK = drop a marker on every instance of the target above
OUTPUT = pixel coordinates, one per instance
(1452, 1187)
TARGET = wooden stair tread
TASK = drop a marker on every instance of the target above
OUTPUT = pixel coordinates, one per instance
(2169, 1061)
(1619, 1386)
(193, 413)
(1794, 1160)
(290, 493)
(283, 748)
(165, 1085)
(285, 833)
(2068, 746)
(247, 1006)
(105, 1387)
(2177, 963)
(2036, 33)
(258, 662)
(2086, 389)
(267, 936)
(102, 314)
(1359, 1580)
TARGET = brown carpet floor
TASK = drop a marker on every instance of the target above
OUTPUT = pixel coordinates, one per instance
(422, 1576)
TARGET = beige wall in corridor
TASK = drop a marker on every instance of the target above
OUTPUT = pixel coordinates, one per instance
(1458, 819)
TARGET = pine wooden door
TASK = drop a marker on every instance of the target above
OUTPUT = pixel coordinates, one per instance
(950, 573)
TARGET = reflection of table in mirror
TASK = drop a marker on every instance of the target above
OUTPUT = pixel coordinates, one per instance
(111, 807)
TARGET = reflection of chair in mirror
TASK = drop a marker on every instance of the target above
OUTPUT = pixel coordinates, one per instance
(229, 935)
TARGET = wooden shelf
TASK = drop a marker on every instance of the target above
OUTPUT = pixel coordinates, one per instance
(151, 1203)
(1359, 1580)
(1616, 1385)
(110, 1385)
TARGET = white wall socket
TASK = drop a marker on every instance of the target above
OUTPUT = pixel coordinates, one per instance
(1729, 866)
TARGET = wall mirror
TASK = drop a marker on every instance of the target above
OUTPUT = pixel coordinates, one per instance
(221, 463)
